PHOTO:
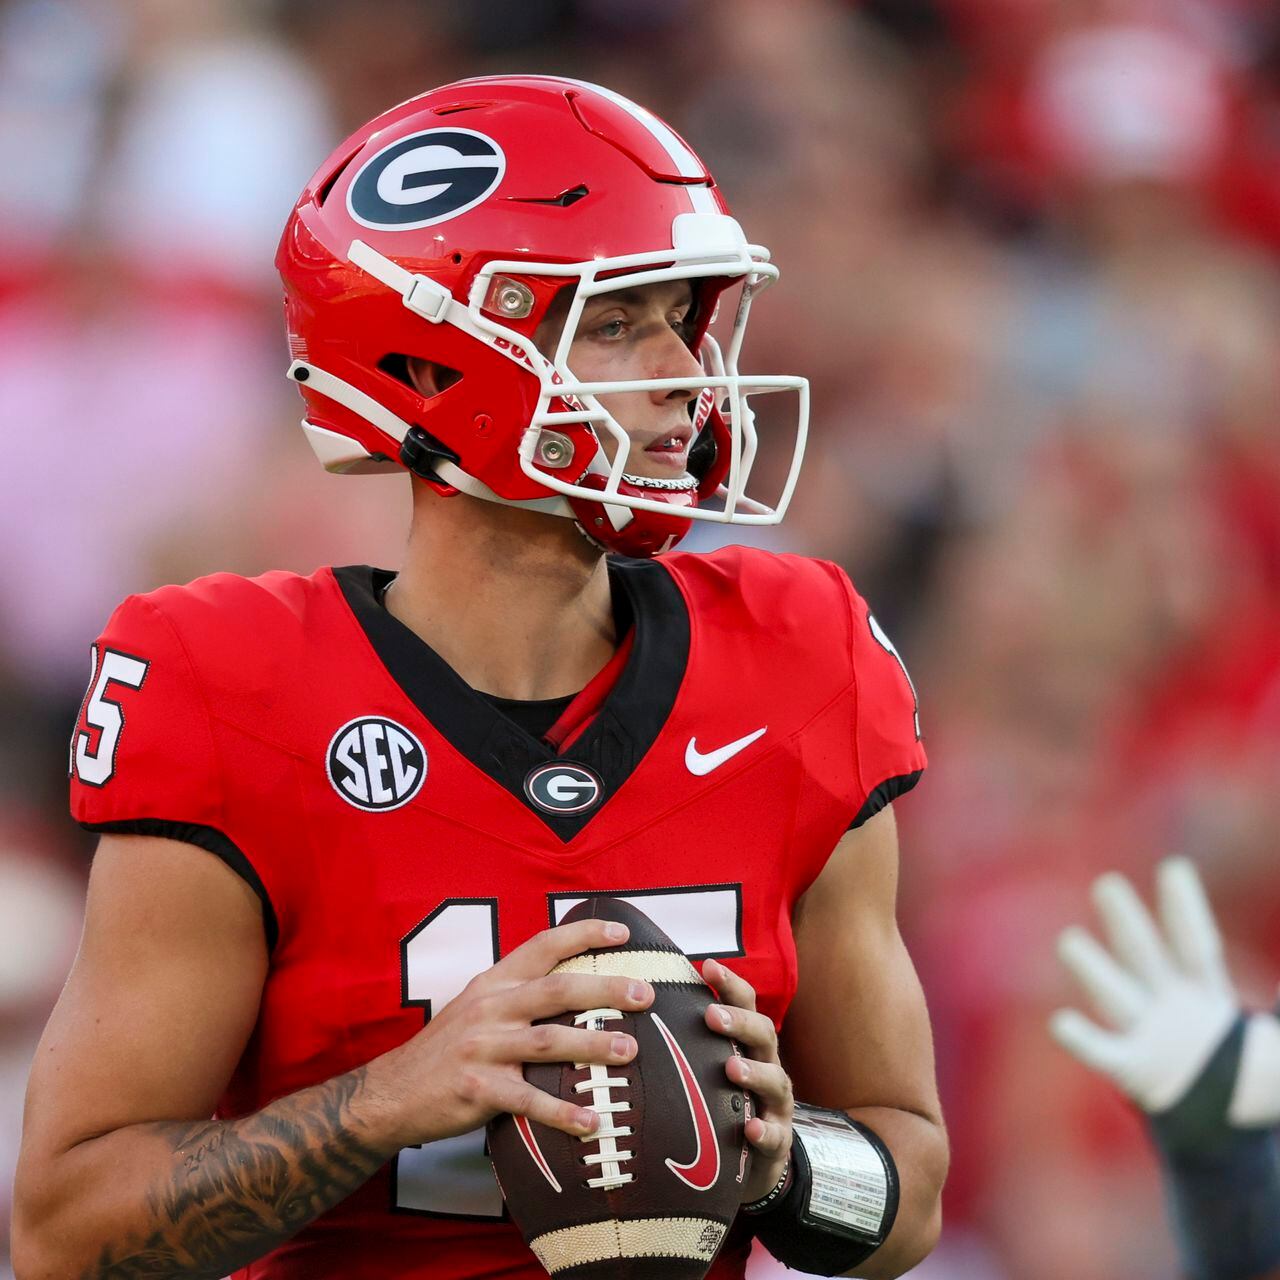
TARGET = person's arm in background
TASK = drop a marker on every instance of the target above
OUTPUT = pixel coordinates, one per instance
(1206, 1073)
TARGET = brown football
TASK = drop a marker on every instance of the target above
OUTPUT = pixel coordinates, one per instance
(654, 1190)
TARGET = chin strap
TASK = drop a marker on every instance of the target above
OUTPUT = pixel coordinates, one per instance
(454, 476)
(366, 407)
(438, 466)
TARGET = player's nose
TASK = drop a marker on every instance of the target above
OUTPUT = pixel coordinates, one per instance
(673, 359)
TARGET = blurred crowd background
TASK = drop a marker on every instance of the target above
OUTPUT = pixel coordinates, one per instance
(1029, 261)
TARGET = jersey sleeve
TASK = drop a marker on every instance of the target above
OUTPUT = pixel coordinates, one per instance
(143, 757)
(888, 749)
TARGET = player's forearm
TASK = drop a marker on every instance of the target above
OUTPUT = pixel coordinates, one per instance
(920, 1152)
(202, 1199)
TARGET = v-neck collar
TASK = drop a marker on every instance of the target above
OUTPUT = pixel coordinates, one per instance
(611, 747)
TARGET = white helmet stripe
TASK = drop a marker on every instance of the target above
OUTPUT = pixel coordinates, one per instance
(701, 198)
(687, 164)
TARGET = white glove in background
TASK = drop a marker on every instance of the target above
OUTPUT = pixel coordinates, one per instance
(1167, 994)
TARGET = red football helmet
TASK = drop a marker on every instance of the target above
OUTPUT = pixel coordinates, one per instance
(444, 229)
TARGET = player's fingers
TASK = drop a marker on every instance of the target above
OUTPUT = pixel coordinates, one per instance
(733, 989)
(541, 953)
(557, 993)
(1131, 931)
(1115, 993)
(1101, 1050)
(768, 1136)
(553, 1042)
(767, 1080)
(520, 1098)
(1188, 921)
(749, 1028)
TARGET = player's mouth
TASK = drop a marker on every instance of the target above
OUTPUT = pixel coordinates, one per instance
(671, 451)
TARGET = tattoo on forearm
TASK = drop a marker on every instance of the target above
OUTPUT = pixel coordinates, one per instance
(238, 1188)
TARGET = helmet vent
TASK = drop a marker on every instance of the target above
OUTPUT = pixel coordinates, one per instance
(564, 199)
(455, 107)
(323, 194)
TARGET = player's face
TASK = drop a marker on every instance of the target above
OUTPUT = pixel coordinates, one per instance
(639, 333)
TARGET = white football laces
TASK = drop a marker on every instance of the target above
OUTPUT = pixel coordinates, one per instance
(600, 1084)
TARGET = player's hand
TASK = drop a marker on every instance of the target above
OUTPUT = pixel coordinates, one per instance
(759, 1071)
(466, 1064)
(1179, 1038)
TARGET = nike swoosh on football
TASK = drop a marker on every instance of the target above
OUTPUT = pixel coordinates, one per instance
(702, 1171)
(701, 763)
(525, 1130)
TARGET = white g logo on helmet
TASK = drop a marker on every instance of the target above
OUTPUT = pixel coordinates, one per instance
(426, 178)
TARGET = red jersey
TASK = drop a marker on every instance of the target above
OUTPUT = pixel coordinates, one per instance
(403, 834)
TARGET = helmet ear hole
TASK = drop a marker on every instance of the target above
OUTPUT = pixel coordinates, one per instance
(427, 377)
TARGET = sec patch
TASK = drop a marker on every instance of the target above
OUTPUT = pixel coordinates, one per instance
(376, 764)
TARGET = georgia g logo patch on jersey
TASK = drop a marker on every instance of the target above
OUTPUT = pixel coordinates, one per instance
(425, 178)
(563, 787)
(376, 764)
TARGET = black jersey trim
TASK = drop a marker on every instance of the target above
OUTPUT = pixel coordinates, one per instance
(212, 841)
(617, 739)
(886, 792)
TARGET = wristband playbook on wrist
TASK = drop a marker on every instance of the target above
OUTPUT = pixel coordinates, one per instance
(839, 1197)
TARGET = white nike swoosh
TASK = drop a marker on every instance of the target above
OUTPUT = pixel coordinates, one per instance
(701, 763)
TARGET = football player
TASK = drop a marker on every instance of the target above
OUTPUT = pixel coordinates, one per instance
(342, 815)
(1206, 1073)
